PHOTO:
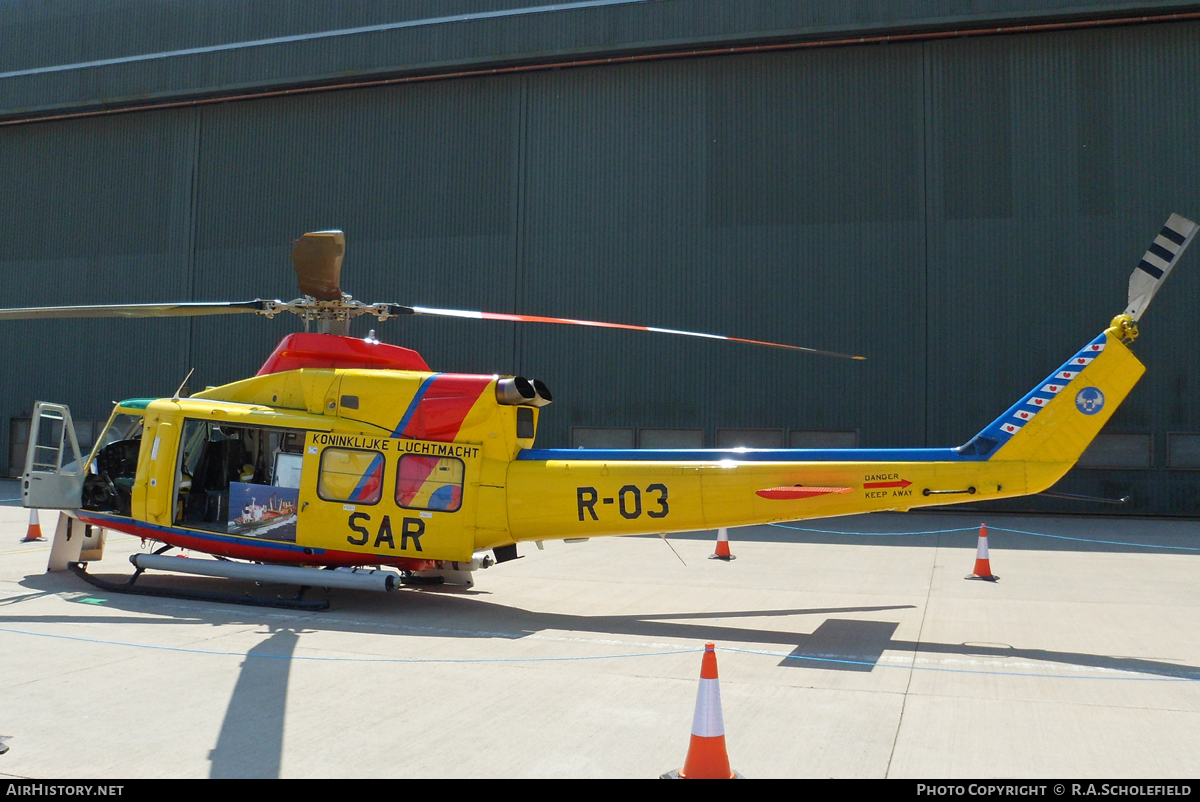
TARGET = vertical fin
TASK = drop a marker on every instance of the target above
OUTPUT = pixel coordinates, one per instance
(1058, 421)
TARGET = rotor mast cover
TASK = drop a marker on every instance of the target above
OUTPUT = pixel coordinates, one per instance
(317, 257)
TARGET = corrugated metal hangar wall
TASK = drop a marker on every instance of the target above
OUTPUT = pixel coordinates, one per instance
(964, 211)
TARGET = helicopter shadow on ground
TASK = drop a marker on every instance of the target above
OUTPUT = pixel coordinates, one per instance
(250, 742)
(840, 642)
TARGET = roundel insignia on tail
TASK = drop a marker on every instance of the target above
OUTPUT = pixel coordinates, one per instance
(1089, 401)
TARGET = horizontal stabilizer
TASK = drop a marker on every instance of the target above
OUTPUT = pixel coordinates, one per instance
(1158, 262)
(783, 493)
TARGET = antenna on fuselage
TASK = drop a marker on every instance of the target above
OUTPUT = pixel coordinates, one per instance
(183, 384)
(663, 535)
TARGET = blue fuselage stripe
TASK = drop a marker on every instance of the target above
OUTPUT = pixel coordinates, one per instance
(412, 405)
(748, 454)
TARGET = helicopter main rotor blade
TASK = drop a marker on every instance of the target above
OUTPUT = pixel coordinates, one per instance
(426, 310)
(187, 309)
(317, 257)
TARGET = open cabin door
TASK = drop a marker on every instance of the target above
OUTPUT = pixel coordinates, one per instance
(54, 468)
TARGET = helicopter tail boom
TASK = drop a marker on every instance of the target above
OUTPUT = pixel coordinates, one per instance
(572, 493)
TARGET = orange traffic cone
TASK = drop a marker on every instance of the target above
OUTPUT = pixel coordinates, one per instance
(722, 552)
(706, 757)
(35, 528)
(983, 568)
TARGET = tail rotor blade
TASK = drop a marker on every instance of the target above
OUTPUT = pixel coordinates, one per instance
(476, 315)
(317, 257)
(1158, 263)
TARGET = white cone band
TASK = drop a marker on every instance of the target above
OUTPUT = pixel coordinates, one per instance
(722, 534)
(33, 517)
(708, 723)
(982, 553)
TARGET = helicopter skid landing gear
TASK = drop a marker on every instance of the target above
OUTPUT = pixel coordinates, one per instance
(80, 570)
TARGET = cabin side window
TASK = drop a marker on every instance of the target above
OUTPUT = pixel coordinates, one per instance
(240, 480)
(351, 474)
(429, 483)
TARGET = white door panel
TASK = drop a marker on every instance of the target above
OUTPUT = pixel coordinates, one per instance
(54, 468)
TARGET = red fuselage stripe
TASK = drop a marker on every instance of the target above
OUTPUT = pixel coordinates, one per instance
(196, 541)
(442, 410)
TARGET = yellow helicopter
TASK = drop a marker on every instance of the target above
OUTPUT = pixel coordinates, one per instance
(351, 454)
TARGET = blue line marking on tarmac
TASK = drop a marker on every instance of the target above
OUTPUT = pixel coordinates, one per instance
(877, 534)
(1088, 540)
(815, 659)
(990, 529)
(218, 653)
(693, 650)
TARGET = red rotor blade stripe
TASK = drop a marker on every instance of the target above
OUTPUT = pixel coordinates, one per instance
(425, 310)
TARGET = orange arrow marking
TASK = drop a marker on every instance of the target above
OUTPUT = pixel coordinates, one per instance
(901, 483)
